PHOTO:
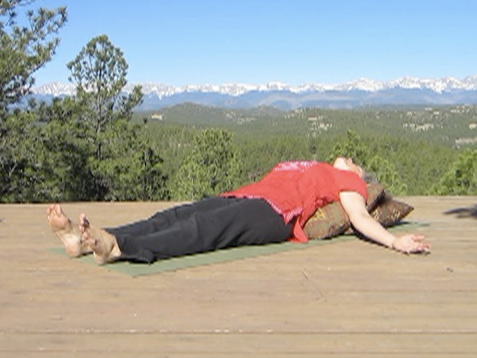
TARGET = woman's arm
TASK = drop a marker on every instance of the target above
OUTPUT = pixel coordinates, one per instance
(355, 206)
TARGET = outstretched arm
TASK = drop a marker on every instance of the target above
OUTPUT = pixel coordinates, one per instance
(355, 206)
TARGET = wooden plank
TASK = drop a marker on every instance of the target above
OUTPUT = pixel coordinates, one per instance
(225, 344)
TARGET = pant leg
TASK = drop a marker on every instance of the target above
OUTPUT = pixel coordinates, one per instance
(234, 222)
(163, 219)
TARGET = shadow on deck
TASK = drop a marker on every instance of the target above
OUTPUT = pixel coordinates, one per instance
(464, 212)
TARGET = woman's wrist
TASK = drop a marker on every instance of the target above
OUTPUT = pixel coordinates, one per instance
(392, 243)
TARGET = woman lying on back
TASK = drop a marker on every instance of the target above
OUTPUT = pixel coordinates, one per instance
(275, 209)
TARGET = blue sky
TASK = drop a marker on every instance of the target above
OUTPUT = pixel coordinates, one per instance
(179, 42)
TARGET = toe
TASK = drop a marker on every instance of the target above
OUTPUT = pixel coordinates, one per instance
(83, 223)
(58, 210)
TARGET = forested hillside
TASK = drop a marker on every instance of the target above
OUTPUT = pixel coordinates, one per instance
(449, 126)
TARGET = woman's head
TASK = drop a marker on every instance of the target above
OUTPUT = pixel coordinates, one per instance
(348, 164)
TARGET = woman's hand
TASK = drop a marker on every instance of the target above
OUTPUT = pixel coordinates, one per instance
(355, 206)
(411, 244)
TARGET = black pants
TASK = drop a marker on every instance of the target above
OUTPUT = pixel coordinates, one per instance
(206, 225)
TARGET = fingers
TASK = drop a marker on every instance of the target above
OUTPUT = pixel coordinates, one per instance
(413, 243)
(421, 247)
(418, 238)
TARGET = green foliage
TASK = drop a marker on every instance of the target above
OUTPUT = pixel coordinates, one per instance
(461, 179)
(352, 147)
(121, 165)
(387, 175)
(173, 142)
(129, 169)
(84, 147)
(66, 150)
(360, 151)
(99, 72)
(20, 163)
(24, 49)
(210, 168)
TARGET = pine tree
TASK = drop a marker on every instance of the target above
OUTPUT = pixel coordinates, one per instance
(211, 168)
(461, 178)
(23, 50)
(122, 164)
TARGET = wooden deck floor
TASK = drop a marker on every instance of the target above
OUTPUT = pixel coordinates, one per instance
(345, 299)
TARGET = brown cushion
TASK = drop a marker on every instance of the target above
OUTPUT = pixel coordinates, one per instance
(390, 211)
(328, 221)
(331, 220)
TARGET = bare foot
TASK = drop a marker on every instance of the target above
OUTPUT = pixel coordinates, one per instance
(69, 234)
(104, 245)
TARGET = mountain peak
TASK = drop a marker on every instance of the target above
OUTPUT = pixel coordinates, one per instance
(439, 85)
(360, 92)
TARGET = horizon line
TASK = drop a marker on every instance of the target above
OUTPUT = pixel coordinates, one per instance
(470, 76)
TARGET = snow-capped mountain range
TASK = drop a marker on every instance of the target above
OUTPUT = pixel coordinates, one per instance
(362, 92)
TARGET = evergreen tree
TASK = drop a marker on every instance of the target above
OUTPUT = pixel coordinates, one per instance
(461, 179)
(67, 151)
(359, 150)
(99, 72)
(20, 165)
(387, 175)
(23, 50)
(129, 169)
(211, 168)
(352, 147)
(123, 165)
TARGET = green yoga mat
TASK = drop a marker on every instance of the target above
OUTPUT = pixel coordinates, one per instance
(219, 256)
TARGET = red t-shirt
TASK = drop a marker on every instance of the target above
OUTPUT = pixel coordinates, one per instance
(298, 189)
